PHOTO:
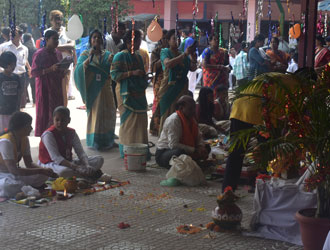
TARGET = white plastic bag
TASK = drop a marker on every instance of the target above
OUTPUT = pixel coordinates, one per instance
(30, 191)
(186, 171)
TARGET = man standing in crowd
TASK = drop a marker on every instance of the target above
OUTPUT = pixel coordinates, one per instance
(21, 52)
(66, 46)
(241, 65)
(5, 32)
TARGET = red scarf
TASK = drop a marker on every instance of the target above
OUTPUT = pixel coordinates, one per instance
(189, 130)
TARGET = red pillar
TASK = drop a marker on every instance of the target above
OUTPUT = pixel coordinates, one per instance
(307, 40)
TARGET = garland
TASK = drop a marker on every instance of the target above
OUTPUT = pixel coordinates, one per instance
(259, 14)
(104, 31)
(133, 36)
(42, 29)
(269, 14)
(220, 35)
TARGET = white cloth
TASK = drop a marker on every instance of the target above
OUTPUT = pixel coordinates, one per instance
(95, 162)
(4, 122)
(111, 45)
(10, 184)
(21, 52)
(172, 133)
(275, 205)
(144, 45)
(327, 242)
(71, 82)
(293, 66)
(194, 77)
(50, 143)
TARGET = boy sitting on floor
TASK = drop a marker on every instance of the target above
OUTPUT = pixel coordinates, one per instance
(181, 135)
(55, 150)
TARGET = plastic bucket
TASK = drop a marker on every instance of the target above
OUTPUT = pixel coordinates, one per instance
(135, 156)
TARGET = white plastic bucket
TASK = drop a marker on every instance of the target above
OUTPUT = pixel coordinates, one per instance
(135, 156)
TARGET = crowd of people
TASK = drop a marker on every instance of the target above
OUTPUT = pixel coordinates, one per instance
(112, 74)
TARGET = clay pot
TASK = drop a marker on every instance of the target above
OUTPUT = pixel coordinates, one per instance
(71, 186)
(313, 230)
(228, 216)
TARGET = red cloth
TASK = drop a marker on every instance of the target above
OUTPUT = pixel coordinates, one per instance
(38, 42)
(189, 130)
(48, 88)
(64, 143)
(322, 57)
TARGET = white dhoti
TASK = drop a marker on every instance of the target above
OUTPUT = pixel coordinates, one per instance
(10, 184)
(95, 162)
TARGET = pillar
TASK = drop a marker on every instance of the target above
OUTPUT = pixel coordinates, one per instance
(251, 20)
(307, 40)
(170, 10)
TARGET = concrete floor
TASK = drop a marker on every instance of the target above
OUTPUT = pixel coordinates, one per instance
(90, 222)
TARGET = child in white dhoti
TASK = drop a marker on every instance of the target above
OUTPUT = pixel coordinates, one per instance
(14, 145)
(55, 150)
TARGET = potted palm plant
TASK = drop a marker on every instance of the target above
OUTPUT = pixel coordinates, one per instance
(297, 127)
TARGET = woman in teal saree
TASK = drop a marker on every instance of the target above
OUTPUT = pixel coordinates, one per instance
(175, 82)
(127, 70)
(92, 77)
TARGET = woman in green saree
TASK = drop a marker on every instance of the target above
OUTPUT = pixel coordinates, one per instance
(92, 77)
(175, 82)
(127, 70)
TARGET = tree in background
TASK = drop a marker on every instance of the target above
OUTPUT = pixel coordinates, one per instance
(92, 12)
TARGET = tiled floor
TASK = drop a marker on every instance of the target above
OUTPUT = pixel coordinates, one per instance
(90, 222)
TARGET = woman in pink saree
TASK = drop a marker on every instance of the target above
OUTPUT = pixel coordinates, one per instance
(49, 75)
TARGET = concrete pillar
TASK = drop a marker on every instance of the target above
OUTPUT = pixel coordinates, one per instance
(251, 20)
(170, 10)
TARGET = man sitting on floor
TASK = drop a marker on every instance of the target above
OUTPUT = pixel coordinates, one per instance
(181, 135)
(55, 150)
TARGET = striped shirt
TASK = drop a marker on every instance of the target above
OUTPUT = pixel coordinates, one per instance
(241, 66)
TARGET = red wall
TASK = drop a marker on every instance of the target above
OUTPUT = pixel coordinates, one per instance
(185, 9)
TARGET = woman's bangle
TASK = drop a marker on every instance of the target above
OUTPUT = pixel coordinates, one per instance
(129, 73)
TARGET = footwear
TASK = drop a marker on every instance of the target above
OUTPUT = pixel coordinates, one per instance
(106, 178)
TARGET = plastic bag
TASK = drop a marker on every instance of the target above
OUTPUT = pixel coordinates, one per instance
(186, 170)
(30, 191)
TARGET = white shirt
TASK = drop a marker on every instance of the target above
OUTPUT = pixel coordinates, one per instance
(7, 152)
(111, 45)
(50, 143)
(21, 52)
(172, 133)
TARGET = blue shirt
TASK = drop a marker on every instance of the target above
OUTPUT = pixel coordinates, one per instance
(256, 61)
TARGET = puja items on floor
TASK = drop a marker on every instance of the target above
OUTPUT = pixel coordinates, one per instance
(188, 229)
(227, 215)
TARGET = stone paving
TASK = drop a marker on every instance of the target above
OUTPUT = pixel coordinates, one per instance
(154, 212)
